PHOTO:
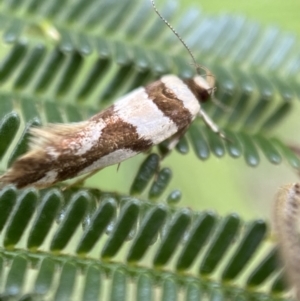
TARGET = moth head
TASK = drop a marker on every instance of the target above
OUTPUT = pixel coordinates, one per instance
(206, 87)
(202, 88)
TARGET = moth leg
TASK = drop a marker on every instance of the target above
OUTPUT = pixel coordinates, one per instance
(168, 146)
(172, 142)
(81, 180)
(211, 124)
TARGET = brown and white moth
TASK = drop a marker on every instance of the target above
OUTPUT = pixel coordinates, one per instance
(145, 117)
(286, 222)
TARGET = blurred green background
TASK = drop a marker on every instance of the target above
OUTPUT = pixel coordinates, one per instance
(226, 184)
(267, 12)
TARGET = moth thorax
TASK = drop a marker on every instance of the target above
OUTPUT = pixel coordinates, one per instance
(200, 88)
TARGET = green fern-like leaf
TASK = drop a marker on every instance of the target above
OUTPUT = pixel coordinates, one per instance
(110, 235)
(63, 62)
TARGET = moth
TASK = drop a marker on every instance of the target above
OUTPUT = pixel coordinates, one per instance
(145, 117)
(286, 223)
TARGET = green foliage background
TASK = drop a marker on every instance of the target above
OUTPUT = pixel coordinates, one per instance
(221, 183)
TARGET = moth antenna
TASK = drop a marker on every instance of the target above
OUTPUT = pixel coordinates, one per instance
(197, 66)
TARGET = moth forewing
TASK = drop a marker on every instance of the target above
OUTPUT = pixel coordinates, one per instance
(143, 118)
